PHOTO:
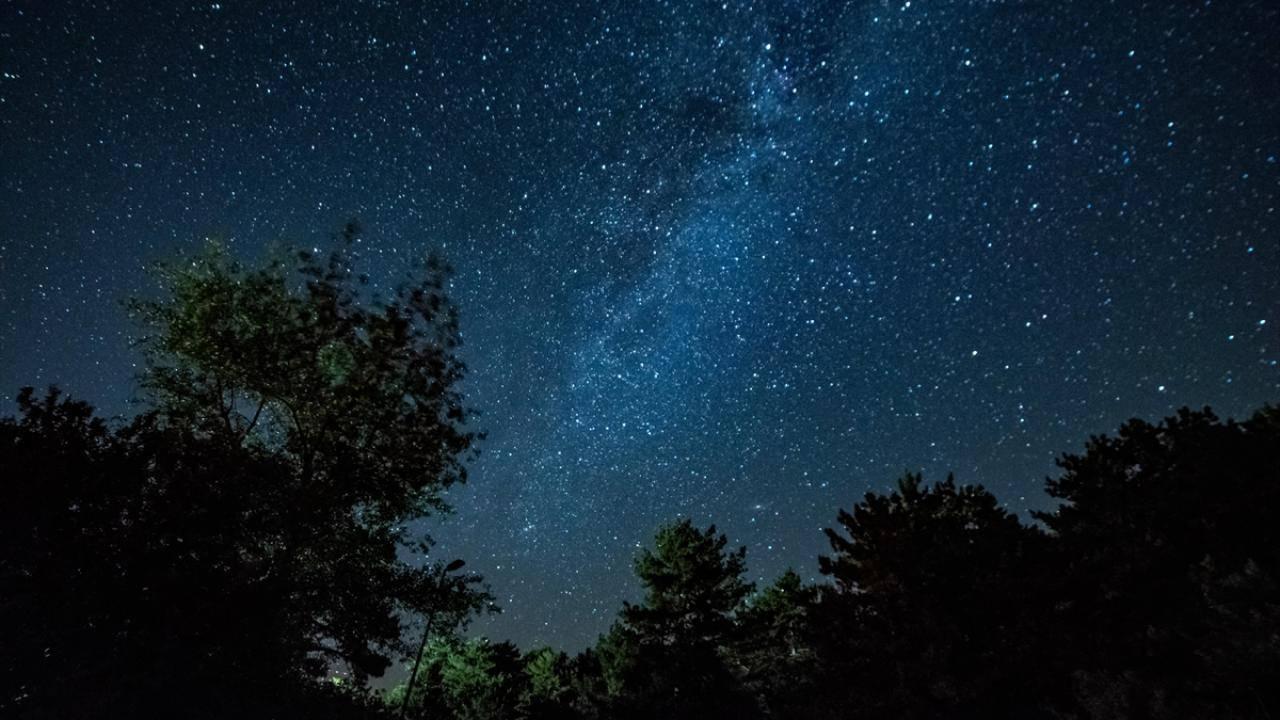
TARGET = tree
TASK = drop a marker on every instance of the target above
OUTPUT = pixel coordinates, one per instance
(1170, 556)
(422, 695)
(591, 697)
(250, 532)
(447, 602)
(466, 680)
(361, 398)
(665, 657)
(59, 520)
(358, 403)
(773, 654)
(549, 693)
(933, 606)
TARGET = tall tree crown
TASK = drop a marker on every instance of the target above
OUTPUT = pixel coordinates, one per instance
(690, 580)
(362, 396)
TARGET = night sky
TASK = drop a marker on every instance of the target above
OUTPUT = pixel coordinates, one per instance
(740, 262)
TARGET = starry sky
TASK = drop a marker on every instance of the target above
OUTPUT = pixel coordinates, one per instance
(735, 261)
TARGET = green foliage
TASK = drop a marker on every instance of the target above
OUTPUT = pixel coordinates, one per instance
(692, 586)
(247, 535)
(773, 655)
(482, 680)
(361, 397)
(549, 691)
(359, 403)
(473, 680)
(665, 657)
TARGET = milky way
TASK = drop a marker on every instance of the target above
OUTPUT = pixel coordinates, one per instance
(741, 262)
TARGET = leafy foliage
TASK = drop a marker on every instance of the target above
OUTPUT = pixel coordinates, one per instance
(479, 680)
(362, 400)
(248, 534)
(549, 692)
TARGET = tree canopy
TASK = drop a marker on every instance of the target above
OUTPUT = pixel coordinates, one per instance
(665, 657)
(254, 527)
(249, 545)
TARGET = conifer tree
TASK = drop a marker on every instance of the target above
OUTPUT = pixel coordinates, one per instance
(666, 656)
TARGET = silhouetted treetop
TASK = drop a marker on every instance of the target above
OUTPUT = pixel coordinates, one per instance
(690, 581)
(666, 655)
(915, 538)
(1168, 546)
(362, 396)
(253, 531)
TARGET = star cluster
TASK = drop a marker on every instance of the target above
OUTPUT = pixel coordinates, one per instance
(738, 261)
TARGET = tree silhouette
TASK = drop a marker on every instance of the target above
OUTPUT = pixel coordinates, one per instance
(549, 693)
(360, 398)
(479, 680)
(249, 534)
(665, 656)
(1169, 553)
(242, 549)
(773, 653)
(357, 402)
(933, 606)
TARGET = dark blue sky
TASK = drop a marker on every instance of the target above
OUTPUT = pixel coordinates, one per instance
(736, 261)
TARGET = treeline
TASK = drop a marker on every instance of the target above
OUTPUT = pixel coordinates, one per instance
(1150, 592)
(244, 547)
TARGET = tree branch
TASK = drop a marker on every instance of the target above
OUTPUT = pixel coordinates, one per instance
(254, 421)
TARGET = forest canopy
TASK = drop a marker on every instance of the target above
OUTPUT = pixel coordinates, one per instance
(246, 546)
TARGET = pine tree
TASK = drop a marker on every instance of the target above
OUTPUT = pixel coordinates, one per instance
(773, 655)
